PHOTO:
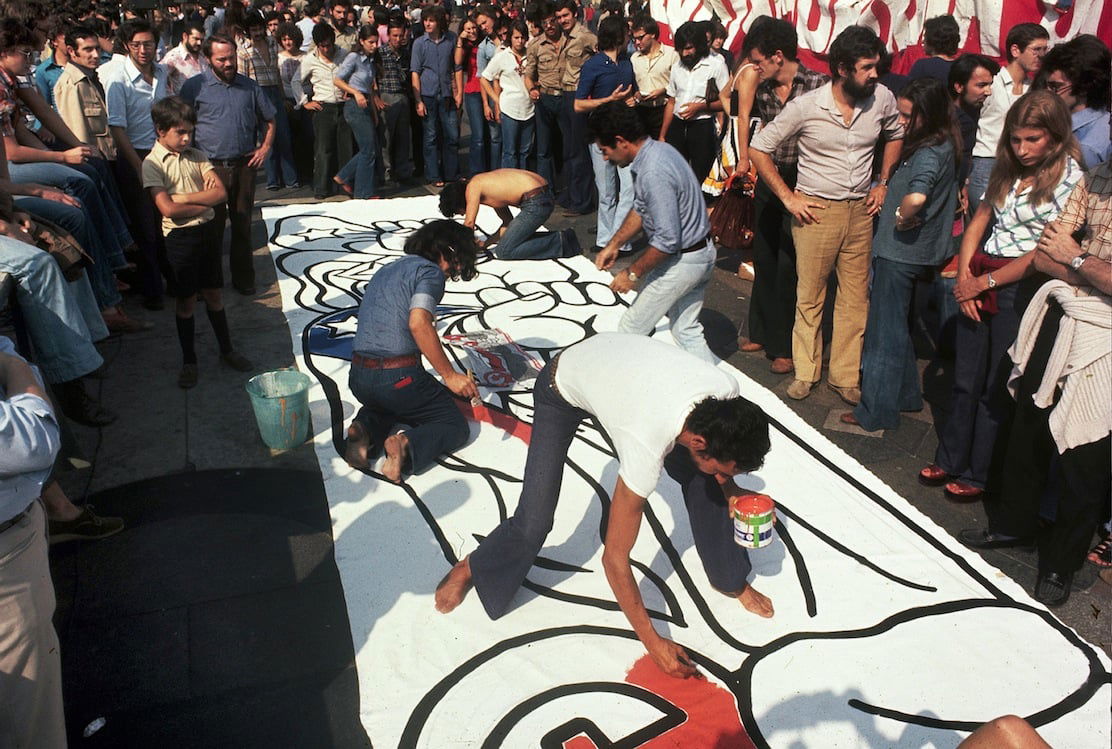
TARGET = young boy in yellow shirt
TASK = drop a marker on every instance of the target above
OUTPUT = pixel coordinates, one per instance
(185, 187)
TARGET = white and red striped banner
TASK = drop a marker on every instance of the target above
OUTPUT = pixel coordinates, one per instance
(984, 23)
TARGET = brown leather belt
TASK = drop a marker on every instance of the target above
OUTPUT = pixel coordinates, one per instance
(551, 91)
(552, 377)
(9, 523)
(392, 362)
(696, 247)
(533, 193)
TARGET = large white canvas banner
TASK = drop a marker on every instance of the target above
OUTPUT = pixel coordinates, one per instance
(886, 633)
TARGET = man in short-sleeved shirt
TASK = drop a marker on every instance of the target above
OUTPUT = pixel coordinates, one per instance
(231, 109)
(670, 436)
(837, 127)
(688, 122)
(668, 206)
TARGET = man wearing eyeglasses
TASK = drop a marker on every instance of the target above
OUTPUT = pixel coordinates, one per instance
(130, 89)
(652, 67)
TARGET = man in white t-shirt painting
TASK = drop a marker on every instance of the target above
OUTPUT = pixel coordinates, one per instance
(662, 408)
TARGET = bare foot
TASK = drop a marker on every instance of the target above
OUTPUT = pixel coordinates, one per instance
(396, 448)
(453, 588)
(358, 446)
(758, 603)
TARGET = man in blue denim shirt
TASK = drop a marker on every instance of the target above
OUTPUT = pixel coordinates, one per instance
(431, 66)
(396, 326)
(30, 667)
(668, 205)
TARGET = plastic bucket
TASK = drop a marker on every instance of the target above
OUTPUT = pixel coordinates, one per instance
(754, 516)
(280, 400)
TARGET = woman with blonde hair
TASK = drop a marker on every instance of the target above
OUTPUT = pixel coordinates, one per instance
(1037, 166)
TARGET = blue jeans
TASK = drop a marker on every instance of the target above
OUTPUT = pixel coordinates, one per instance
(362, 164)
(411, 396)
(615, 196)
(440, 128)
(547, 116)
(578, 194)
(279, 164)
(979, 173)
(503, 559)
(674, 289)
(108, 224)
(522, 241)
(484, 134)
(980, 402)
(517, 139)
(63, 343)
(889, 373)
(101, 278)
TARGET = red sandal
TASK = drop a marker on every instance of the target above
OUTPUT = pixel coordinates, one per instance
(932, 475)
(1101, 555)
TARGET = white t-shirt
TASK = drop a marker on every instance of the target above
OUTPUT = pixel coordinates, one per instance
(686, 86)
(510, 74)
(641, 391)
(990, 124)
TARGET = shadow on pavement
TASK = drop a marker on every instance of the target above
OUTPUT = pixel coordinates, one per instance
(216, 618)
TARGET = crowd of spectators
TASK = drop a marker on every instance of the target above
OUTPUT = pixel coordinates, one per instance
(138, 135)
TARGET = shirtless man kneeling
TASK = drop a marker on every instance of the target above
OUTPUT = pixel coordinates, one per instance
(672, 411)
(517, 238)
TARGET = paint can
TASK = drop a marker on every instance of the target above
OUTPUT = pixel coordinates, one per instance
(754, 516)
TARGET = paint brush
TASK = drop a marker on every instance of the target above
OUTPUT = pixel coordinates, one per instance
(475, 402)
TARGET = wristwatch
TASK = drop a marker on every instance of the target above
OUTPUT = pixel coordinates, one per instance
(632, 276)
(991, 281)
(1078, 261)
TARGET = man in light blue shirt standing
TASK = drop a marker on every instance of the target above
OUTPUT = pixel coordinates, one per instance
(668, 205)
(431, 66)
(30, 666)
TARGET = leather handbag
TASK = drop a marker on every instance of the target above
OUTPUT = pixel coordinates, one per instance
(61, 245)
(731, 218)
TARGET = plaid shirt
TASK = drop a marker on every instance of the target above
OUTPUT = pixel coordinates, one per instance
(769, 105)
(1090, 205)
(394, 78)
(255, 67)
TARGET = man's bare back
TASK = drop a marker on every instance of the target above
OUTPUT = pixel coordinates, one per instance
(502, 188)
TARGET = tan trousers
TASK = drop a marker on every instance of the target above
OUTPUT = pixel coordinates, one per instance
(841, 242)
(30, 666)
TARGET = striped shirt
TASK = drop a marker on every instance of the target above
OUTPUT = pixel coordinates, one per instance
(1020, 224)
(1090, 205)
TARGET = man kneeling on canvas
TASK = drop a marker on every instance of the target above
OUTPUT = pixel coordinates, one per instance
(672, 411)
(517, 238)
(395, 327)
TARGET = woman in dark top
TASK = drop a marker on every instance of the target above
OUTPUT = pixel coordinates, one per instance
(912, 240)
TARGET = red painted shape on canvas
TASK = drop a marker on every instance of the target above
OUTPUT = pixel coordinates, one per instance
(910, 12)
(580, 742)
(510, 425)
(712, 719)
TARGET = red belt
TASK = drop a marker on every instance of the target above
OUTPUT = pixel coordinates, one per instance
(393, 362)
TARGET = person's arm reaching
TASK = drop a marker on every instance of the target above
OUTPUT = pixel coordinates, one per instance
(623, 524)
(424, 333)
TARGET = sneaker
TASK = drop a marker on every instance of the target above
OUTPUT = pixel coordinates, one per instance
(799, 389)
(187, 378)
(237, 361)
(88, 526)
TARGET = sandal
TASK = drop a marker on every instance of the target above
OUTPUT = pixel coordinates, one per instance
(1101, 555)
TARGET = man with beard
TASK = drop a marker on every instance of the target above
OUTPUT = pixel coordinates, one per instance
(970, 84)
(346, 34)
(773, 49)
(693, 99)
(185, 60)
(1025, 46)
(837, 128)
(231, 110)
